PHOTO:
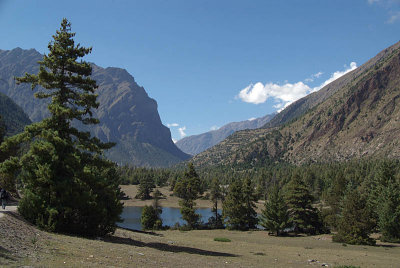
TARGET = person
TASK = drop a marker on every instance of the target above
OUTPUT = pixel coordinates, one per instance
(3, 197)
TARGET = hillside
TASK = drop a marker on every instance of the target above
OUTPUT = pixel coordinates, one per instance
(355, 117)
(128, 116)
(198, 143)
(12, 115)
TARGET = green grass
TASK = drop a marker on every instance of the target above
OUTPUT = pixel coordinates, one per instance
(222, 239)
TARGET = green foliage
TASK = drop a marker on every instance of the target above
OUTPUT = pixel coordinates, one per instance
(303, 216)
(150, 218)
(215, 196)
(238, 206)
(233, 209)
(388, 202)
(222, 239)
(355, 224)
(188, 188)
(146, 186)
(68, 186)
(275, 216)
(249, 198)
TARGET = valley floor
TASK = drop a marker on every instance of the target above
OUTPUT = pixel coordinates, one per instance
(24, 245)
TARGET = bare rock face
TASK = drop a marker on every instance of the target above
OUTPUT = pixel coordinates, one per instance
(128, 116)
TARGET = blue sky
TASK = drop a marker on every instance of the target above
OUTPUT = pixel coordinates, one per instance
(208, 63)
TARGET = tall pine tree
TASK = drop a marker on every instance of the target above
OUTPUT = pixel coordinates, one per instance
(249, 198)
(356, 223)
(68, 185)
(233, 209)
(188, 188)
(303, 216)
(275, 216)
(216, 195)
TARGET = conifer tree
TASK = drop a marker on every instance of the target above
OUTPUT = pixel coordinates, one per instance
(386, 196)
(234, 211)
(249, 198)
(146, 185)
(303, 216)
(68, 186)
(188, 188)
(150, 218)
(355, 224)
(275, 216)
(216, 195)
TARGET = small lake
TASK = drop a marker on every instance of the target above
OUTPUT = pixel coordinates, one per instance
(131, 216)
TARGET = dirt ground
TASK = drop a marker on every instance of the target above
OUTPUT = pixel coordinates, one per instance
(24, 245)
(168, 200)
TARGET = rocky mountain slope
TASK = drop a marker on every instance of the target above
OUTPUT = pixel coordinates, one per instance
(12, 116)
(356, 116)
(196, 144)
(128, 116)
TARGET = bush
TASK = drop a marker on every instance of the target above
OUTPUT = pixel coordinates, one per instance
(222, 239)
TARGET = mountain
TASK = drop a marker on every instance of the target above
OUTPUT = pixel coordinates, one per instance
(128, 116)
(356, 116)
(198, 143)
(13, 117)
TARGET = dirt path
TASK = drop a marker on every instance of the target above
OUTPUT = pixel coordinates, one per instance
(8, 208)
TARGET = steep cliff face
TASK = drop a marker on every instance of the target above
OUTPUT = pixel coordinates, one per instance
(354, 117)
(198, 143)
(128, 116)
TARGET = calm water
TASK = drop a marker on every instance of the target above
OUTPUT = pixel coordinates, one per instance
(169, 216)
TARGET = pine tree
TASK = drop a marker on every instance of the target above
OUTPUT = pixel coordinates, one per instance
(249, 198)
(216, 195)
(188, 188)
(275, 216)
(386, 195)
(303, 216)
(146, 185)
(68, 186)
(233, 209)
(355, 224)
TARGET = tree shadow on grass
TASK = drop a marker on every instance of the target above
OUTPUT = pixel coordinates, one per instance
(166, 247)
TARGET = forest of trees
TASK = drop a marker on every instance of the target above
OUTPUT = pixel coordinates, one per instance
(353, 198)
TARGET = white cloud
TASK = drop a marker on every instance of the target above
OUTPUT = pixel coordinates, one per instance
(312, 77)
(259, 93)
(173, 125)
(214, 128)
(336, 75)
(394, 17)
(182, 131)
(251, 119)
(372, 1)
(287, 93)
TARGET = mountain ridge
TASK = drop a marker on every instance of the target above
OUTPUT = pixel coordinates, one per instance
(196, 144)
(128, 116)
